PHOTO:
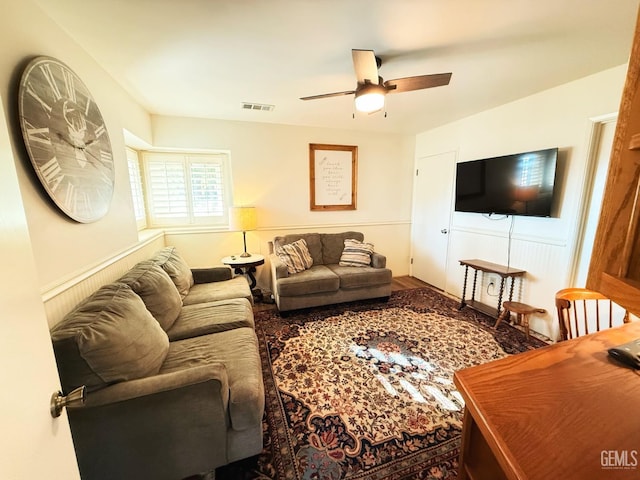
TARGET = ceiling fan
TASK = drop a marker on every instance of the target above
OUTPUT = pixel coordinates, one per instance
(371, 88)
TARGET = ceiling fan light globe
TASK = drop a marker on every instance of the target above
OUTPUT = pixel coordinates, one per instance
(369, 102)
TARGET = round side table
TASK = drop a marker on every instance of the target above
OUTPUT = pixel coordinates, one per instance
(245, 265)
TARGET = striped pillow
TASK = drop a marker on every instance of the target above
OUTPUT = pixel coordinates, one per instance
(295, 256)
(356, 253)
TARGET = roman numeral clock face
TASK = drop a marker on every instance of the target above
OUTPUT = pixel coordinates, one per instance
(66, 139)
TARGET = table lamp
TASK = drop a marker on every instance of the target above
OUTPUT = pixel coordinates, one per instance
(243, 219)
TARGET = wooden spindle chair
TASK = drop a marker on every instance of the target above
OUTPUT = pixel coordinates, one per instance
(582, 311)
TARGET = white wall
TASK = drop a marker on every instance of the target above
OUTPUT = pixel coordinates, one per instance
(42, 247)
(270, 166)
(62, 247)
(542, 246)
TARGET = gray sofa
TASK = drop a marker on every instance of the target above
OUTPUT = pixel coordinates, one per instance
(326, 281)
(170, 360)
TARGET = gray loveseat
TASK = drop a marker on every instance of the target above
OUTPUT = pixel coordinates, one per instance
(326, 281)
(170, 360)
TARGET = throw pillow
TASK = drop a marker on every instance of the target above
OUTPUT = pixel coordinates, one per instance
(172, 263)
(295, 256)
(110, 337)
(356, 253)
(157, 290)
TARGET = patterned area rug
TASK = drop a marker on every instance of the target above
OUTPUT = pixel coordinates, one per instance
(365, 390)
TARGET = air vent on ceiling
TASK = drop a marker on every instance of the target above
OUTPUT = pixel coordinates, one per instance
(257, 106)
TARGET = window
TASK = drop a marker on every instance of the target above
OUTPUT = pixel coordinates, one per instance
(187, 189)
(135, 179)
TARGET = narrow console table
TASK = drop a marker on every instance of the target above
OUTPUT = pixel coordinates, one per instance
(480, 265)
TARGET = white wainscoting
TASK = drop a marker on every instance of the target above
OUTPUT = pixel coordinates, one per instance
(546, 261)
(61, 298)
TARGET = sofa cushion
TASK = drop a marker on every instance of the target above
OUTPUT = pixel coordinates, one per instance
(333, 245)
(109, 337)
(157, 290)
(295, 256)
(237, 287)
(317, 279)
(356, 253)
(212, 274)
(237, 350)
(314, 244)
(358, 277)
(172, 263)
(212, 317)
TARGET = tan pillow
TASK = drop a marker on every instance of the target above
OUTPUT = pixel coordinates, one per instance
(356, 253)
(110, 337)
(157, 290)
(295, 256)
(172, 263)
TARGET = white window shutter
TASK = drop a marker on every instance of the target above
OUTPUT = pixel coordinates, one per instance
(207, 189)
(187, 189)
(137, 194)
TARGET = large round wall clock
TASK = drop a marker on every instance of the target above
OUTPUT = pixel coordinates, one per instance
(66, 139)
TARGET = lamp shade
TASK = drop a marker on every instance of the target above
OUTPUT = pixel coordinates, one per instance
(370, 98)
(242, 218)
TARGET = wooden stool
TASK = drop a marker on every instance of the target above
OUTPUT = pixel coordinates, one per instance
(522, 310)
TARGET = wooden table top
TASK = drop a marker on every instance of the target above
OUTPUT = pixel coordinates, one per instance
(551, 413)
(485, 266)
(253, 260)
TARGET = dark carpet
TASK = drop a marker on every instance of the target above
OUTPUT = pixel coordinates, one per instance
(365, 390)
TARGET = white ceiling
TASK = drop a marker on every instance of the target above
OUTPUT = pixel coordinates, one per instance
(203, 58)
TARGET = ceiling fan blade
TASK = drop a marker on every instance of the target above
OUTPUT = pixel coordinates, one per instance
(365, 66)
(419, 82)
(327, 95)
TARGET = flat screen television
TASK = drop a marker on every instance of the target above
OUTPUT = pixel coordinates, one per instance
(518, 184)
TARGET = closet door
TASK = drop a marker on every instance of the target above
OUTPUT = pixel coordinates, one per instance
(431, 218)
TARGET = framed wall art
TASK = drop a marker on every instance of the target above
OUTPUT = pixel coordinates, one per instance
(333, 175)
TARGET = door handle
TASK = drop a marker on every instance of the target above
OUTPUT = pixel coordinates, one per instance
(444, 230)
